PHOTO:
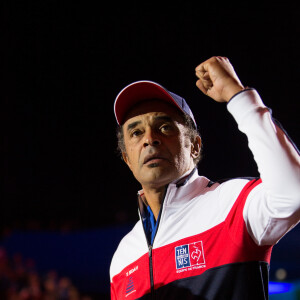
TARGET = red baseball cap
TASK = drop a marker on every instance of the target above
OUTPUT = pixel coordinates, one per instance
(145, 90)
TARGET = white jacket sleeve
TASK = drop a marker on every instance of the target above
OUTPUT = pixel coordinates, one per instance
(273, 207)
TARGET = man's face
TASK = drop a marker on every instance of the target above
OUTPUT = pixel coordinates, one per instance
(158, 149)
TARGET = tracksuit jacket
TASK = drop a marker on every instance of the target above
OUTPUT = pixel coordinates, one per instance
(214, 240)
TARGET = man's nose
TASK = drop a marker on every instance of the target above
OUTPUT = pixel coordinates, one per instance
(151, 138)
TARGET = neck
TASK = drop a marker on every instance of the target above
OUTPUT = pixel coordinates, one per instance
(154, 198)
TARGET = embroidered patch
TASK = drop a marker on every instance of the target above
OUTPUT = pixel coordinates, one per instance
(189, 255)
(129, 287)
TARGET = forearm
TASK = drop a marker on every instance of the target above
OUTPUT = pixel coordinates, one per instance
(277, 160)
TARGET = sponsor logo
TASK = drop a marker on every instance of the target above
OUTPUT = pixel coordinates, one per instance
(132, 270)
(189, 257)
(129, 287)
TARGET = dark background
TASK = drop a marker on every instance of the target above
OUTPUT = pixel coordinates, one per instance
(64, 63)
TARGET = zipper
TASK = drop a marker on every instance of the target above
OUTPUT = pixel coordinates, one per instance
(151, 271)
(150, 247)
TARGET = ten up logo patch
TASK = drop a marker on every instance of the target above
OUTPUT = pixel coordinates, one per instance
(189, 255)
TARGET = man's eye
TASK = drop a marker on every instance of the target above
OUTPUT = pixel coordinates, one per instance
(165, 128)
(135, 133)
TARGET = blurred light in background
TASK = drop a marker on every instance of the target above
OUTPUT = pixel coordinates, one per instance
(279, 287)
(284, 290)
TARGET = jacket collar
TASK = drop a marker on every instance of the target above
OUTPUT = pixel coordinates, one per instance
(186, 177)
(184, 180)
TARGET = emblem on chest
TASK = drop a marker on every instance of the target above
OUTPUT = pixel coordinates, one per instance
(189, 257)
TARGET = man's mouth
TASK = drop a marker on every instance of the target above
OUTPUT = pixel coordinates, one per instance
(153, 158)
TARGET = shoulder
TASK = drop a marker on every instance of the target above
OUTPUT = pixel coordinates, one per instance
(230, 184)
(228, 190)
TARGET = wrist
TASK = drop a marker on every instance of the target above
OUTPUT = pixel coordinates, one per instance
(231, 91)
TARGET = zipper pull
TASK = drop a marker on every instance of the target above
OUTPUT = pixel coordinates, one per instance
(150, 249)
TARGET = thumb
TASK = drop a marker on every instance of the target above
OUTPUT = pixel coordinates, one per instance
(200, 86)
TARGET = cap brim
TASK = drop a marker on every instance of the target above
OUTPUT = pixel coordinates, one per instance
(136, 92)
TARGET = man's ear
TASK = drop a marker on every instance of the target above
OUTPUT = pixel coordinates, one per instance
(126, 159)
(196, 147)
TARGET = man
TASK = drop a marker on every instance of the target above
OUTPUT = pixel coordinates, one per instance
(197, 239)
